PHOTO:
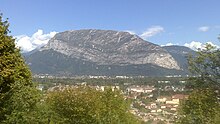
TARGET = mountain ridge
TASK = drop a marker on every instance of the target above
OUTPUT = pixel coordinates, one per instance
(110, 47)
(104, 49)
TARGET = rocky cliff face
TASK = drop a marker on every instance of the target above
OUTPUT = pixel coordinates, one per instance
(106, 47)
(180, 54)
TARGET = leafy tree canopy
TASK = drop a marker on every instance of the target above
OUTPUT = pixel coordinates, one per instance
(203, 106)
(17, 92)
(206, 65)
(85, 105)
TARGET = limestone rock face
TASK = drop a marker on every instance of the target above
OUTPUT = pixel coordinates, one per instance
(107, 47)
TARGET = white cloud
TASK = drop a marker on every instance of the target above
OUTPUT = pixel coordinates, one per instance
(204, 28)
(152, 31)
(38, 39)
(169, 44)
(195, 45)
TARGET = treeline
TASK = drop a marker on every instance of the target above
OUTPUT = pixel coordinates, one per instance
(123, 83)
(75, 105)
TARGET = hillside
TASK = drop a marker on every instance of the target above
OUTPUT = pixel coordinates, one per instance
(102, 52)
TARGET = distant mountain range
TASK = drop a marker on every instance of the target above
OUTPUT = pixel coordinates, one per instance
(106, 52)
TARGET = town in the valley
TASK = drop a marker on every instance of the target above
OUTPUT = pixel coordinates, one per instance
(153, 99)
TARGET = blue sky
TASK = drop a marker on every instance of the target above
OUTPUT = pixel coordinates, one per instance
(157, 21)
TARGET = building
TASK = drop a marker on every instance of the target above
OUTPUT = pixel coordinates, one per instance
(141, 89)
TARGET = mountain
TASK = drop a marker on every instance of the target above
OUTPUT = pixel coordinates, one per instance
(102, 52)
(180, 54)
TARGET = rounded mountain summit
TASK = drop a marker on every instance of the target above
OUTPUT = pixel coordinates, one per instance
(101, 52)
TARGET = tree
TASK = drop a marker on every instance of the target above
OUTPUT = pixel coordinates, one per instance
(203, 105)
(17, 92)
(83, 105)
(206, 65)
(115, 108)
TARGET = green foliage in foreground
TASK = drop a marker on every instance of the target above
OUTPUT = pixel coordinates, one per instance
(203, 105)
(84, 105)
(206, 65)
(18, 96)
